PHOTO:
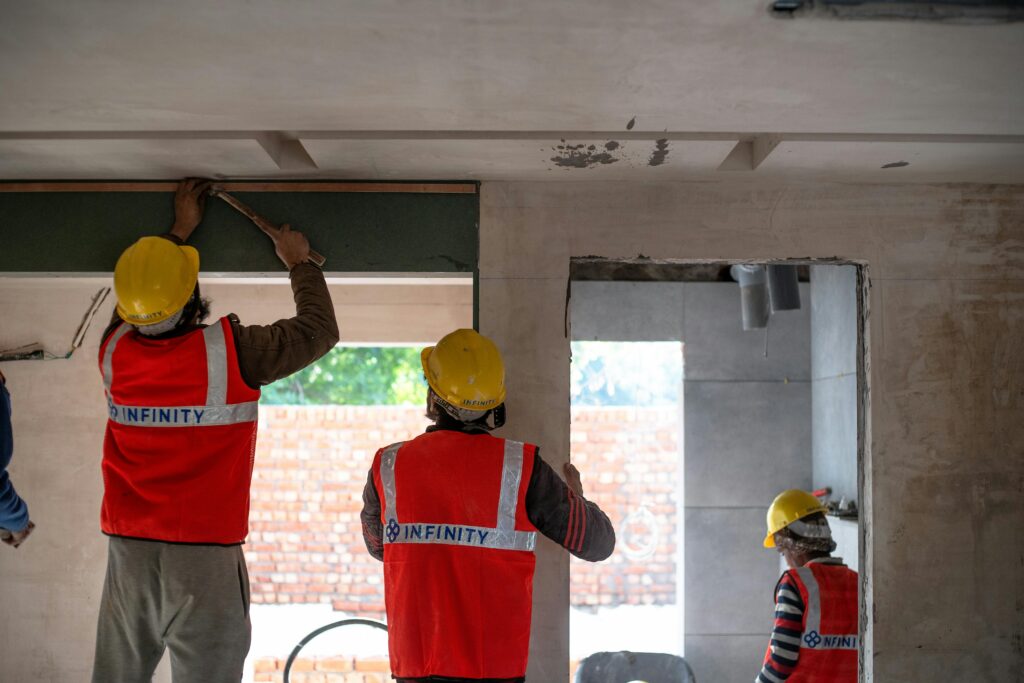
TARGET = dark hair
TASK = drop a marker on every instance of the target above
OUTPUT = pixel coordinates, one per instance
(197, 309)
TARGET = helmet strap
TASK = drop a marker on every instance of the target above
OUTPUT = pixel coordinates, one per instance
(483, 419)
(498, 416)
(194, 311)
(162, 327)
(816, 529)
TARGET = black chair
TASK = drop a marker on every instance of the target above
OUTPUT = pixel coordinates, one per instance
(624, 667)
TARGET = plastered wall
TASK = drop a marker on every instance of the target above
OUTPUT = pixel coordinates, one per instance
(834, 379)
(747, 437)
(943, 504)
(50, 587)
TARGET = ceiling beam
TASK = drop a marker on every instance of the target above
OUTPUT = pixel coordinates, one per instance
(747, 155)
(497, 135)
(287, 152)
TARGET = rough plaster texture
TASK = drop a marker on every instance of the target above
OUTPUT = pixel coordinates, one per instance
(834, 378)
(441, 65)
(50, 587)
(943, 504)
(748, 436)
(494, 70)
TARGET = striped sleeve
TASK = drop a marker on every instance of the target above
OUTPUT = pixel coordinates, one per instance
(373, 527)
(570, 520)
(784, 647)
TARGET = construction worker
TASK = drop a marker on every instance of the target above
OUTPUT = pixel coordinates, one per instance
(454, 513)
(815, 635)
(15, 525)
(178, 452)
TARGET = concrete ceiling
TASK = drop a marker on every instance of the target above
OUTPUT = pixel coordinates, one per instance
(488, 90)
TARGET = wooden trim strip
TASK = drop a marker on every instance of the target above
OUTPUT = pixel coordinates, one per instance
(244, 186)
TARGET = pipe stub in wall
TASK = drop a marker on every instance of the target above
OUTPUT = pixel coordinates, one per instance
(753, 295)
(783, 288)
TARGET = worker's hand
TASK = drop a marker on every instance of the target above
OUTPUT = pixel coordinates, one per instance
(16, 538)
(572, 479)
(189, 203)
(291, 246)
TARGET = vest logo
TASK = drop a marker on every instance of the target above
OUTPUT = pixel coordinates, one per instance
(392, 530)
(155, 415)
(815, 640)
(438, 533)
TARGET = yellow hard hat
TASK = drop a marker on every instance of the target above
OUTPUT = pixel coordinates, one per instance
(465, 369)
(154, 279)
(788, 507)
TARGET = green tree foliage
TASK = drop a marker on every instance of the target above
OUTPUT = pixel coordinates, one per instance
(626, 373)
(355, 375)
(603, 374)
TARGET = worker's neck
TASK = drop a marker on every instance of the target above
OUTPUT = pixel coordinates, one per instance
(803, 558)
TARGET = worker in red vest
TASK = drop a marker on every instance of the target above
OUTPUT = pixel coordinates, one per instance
(454, 515)
(178, 452)
(815, 635)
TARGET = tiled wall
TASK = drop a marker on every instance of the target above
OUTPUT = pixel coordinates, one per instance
(747, 406)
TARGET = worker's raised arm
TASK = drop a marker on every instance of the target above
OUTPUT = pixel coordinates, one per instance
(560, 512)
(267, 353)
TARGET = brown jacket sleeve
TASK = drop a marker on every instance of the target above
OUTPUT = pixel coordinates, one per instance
(267, 353)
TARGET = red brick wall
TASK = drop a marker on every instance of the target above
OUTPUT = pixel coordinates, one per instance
(305, 542)
(628, 459)
(322, 670)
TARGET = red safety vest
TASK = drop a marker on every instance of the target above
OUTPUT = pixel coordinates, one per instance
(178, 451)
(458, 554)
(828, 646)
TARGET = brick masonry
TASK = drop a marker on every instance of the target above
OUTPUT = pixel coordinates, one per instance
(305, 543)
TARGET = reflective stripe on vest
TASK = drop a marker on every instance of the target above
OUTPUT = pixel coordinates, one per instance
(813, 638)
(504, 536)
(213, 412)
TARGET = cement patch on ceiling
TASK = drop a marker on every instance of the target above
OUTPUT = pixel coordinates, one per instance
(559, 159)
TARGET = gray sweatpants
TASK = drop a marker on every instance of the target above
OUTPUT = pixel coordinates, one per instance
(191, 599)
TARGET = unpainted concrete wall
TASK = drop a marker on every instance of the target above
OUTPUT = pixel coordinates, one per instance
(748, 436)
(50, 587)
(943, 504)
(834, 378)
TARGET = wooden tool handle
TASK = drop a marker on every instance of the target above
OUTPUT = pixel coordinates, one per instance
(263, 224)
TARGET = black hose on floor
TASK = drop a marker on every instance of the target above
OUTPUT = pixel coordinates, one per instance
(344, 622)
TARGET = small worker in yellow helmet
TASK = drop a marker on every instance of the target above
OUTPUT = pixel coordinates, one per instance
(177, 456)
(814, 639)
(454, 515)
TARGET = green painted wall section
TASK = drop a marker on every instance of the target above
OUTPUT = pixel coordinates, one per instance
(85, 232)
